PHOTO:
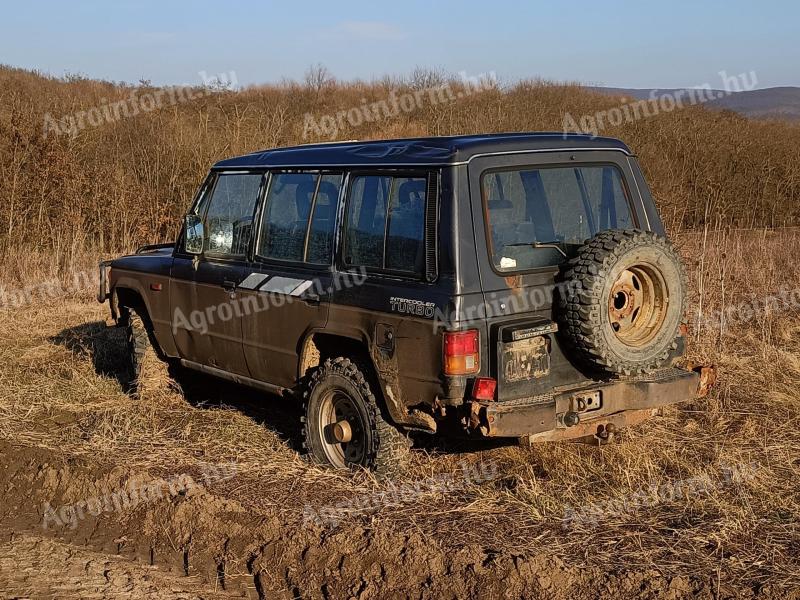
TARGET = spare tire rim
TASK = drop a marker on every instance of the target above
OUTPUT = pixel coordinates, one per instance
(342, 430)
(637, 304)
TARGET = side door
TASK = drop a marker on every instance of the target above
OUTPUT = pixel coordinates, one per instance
(286, 293)
(389, 236)
(206, 316)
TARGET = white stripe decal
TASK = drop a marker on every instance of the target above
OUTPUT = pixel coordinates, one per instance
(252, 281)
(281, 285)
(301, 288)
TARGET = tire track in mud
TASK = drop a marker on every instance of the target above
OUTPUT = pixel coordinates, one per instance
(36, 567)
(217, 542)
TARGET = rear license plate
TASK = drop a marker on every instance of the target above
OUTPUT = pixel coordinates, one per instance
(526, 359)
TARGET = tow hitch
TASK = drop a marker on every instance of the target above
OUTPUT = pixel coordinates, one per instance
(598, 411)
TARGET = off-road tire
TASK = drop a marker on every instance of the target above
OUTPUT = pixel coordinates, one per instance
(146, 371)
(585, 304)
(386, 448)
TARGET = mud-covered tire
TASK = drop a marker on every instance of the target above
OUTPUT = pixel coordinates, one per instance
(605, 269)
(146, 371)
(385, 448)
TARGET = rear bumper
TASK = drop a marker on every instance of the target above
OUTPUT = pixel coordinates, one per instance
(579, 411)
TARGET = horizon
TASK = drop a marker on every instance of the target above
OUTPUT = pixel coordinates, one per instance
(230, 81)
(605, 46)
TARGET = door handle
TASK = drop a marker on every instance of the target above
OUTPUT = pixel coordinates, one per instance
(311, 298)
(229, 286)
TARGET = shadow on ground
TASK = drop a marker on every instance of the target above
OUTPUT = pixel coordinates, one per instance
(107, 349)
(104, 346)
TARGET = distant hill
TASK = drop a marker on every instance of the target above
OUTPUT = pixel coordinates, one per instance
(769, 103)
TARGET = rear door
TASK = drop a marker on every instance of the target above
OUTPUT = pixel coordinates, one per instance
(286, 292)
(207, 325)
(389, 236)
(531, 210)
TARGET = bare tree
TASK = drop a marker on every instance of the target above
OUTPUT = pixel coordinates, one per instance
(319, 78)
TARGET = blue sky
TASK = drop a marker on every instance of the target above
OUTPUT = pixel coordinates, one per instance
(610, 42)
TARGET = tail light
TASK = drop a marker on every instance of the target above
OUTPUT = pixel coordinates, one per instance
(462, 352)
(483, 388)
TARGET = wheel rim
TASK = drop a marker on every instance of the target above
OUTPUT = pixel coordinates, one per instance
(342, 430)
(637, 305)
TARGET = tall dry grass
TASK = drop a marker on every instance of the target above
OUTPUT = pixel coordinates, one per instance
(112, 187)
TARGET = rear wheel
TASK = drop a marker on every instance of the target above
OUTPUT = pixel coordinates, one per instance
(344, 426)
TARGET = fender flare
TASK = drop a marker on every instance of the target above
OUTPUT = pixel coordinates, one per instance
(390, 388)
(132, 284)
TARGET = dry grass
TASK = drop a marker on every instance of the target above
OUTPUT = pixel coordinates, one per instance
(127, 182)
(58, 390)
(68, 201)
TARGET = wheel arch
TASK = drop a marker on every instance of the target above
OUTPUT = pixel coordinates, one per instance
(319, 344)
(128, 297)
(127, 294)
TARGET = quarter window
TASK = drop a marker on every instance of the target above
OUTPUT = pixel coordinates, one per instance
(386, 223)
(299, 217)
(229, 218)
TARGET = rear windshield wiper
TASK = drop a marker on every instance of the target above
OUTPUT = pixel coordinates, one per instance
(553, 245)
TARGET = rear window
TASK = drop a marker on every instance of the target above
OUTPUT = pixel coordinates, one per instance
(561, 206)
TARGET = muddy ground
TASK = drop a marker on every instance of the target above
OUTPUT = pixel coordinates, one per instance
(200, 492)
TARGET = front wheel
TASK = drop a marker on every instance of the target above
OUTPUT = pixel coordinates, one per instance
(146, 371)
(344, 426)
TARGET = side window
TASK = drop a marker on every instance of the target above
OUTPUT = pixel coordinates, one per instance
(229, 217)
(366, 221)
(320, 236)
(299, 217)
(385, 226)
(405, 236)
(287, 208)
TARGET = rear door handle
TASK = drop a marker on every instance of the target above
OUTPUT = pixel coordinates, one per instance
(311, 298)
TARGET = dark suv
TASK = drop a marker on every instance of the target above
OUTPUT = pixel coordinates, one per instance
(512, 285)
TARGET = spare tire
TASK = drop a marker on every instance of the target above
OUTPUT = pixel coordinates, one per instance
(623, 301)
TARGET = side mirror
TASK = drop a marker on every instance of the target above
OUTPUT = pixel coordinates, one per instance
(194, 234)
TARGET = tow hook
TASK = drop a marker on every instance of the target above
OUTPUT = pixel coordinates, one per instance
(571, 419)
(708, 378)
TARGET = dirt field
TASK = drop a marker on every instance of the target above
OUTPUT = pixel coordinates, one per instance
(199, 490)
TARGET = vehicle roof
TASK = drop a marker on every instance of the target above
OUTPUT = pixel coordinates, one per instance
(423, 151)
